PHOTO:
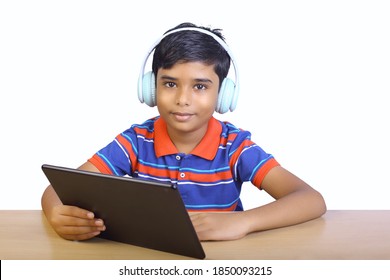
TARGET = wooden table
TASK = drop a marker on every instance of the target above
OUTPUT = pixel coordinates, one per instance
(339, 234)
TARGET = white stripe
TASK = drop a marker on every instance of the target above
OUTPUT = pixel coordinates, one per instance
(146, 140)
(157, 179)
(238, 158)
(204, 184)
(124, 151)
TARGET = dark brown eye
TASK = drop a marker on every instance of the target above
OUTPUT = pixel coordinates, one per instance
(200, 87)
(170, 84)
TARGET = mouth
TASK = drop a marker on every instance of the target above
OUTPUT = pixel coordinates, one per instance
(182, 117)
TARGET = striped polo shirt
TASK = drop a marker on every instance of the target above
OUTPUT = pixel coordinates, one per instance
(209, 178)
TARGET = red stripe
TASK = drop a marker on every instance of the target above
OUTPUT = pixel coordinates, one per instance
(262, 172)
(237, 153)
(100, 164)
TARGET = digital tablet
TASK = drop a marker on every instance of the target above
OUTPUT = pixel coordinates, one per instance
(135, 211)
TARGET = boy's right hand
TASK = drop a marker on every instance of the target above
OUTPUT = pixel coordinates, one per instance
(74, 223)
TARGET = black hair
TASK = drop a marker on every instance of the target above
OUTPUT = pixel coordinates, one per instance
(192, 46)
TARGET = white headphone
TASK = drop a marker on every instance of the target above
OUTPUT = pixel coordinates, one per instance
(228, 93)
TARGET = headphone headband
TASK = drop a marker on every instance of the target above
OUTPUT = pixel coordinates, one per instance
(201, 30)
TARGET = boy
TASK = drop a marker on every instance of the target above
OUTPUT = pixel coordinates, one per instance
(208, 159)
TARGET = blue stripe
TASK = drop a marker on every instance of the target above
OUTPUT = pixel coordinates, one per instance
(208, 171)
(163, 166)
(144, 127)
(247, 138)
(230, 154)
(108, 163)
(132, 143)
(258, 166)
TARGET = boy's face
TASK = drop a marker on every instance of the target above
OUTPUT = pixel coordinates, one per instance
(187, 95)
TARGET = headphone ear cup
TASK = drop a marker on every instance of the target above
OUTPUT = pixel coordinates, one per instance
(149, 89)
(226, 97)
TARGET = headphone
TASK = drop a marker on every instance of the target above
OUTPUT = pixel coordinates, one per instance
(228, 92)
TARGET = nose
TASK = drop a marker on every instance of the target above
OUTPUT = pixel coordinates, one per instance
(184, 96)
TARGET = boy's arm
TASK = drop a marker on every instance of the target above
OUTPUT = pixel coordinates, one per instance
(295, 202)
(70, 222)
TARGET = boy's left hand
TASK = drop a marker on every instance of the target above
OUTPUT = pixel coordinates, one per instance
(219, 226)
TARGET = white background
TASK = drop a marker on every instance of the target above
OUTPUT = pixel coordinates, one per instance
(314, 75)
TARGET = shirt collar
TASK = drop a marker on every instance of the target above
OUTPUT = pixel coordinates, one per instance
(207, 148)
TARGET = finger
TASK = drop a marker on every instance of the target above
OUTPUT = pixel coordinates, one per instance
(80, 237)
(75, 216)
(75, 211)
(78, 222)
(79, 233)
(76, 230)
